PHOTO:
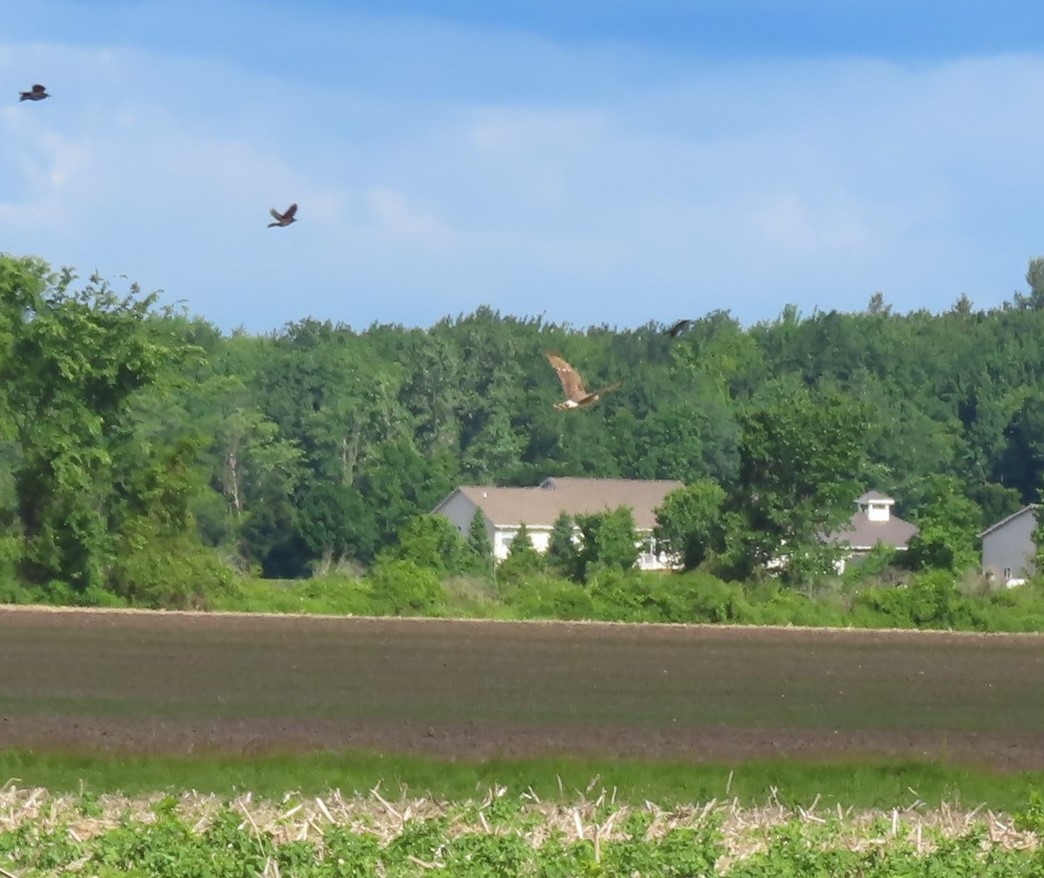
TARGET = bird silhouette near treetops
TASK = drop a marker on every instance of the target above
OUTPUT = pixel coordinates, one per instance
(678, 327)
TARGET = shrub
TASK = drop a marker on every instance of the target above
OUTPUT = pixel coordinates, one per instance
(404, 588)
(549, 597)
(472, 597)
(432, 542)
(625, 595)
(332, 594)
(172, 573)
(700, 597)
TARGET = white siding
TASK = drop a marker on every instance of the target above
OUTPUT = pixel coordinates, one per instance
(878, 511)
(540, 538)
(460, 511)
(502, 542)
(648, 558)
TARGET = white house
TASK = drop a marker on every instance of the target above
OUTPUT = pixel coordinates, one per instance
(505, 509)
(873, 523)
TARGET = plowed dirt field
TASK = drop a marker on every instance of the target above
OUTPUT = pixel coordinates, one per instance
(181, 683)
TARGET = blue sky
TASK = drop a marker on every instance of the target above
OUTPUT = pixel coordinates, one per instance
(611, 162)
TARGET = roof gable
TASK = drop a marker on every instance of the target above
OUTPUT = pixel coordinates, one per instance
(541, 505)
(1011, 517)
(873, 496)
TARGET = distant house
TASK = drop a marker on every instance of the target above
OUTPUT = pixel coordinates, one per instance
(505, 509)
(1008, 547)
(871, 524)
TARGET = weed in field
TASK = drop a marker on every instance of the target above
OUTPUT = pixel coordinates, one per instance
(502, 834)
(1031, 816)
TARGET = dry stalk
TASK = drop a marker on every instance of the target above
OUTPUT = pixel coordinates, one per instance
(321, 805)
(745, 830)
(424, 865)
(387, 805)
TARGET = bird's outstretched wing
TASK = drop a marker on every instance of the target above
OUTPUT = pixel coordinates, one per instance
(276, 215)
(290, 211)
(608, 389)
(678, 327)
(572, 383)
(36, 93)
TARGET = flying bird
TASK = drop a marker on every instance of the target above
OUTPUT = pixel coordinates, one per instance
(573, 385)
(36, 93)
(678, 328)
(283, 219)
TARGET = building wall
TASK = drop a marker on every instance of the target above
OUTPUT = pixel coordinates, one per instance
(460, 510)
(540, 537)
(1007, 552)
(648, 559)
(876, 510)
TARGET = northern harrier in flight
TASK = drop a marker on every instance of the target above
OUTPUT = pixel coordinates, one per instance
(678, 328)
(36, 93)
(283, 219)
(573, 385)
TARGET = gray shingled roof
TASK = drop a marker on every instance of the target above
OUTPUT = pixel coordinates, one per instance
(861, 533)
(540, 506)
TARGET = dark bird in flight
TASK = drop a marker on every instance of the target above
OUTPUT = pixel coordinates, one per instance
(284, 219)
(37, 93)
(573, 385)
(678, 328)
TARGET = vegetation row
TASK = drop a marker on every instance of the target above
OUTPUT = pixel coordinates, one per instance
(146, 458)
(503, 834)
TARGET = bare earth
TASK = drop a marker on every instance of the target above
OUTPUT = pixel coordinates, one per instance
(188, 683)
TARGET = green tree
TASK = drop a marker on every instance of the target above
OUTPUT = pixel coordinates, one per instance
(1038, 541)
(334, 521)
(1035, 281)
(948, 523)
(71, 364)
(479, 544)
(689, 522)
(801, 454)
(399, 482)
(522, 544)
(432, 541)
(609, 540)
(563, 554)
(523, 560)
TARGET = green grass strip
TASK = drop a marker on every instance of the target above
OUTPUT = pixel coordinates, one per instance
(870, 784)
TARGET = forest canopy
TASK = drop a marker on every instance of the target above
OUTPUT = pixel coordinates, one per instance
(132, 434)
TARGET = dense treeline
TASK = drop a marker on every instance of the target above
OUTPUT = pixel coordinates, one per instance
(141, 447)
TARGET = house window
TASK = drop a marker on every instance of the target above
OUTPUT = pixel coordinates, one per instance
(1007, 574)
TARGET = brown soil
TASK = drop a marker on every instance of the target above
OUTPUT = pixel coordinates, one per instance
(189, 683)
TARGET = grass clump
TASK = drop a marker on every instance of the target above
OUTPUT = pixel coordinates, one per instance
(859, 783)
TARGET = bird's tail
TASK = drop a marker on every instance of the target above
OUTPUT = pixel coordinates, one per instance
(607, 389)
